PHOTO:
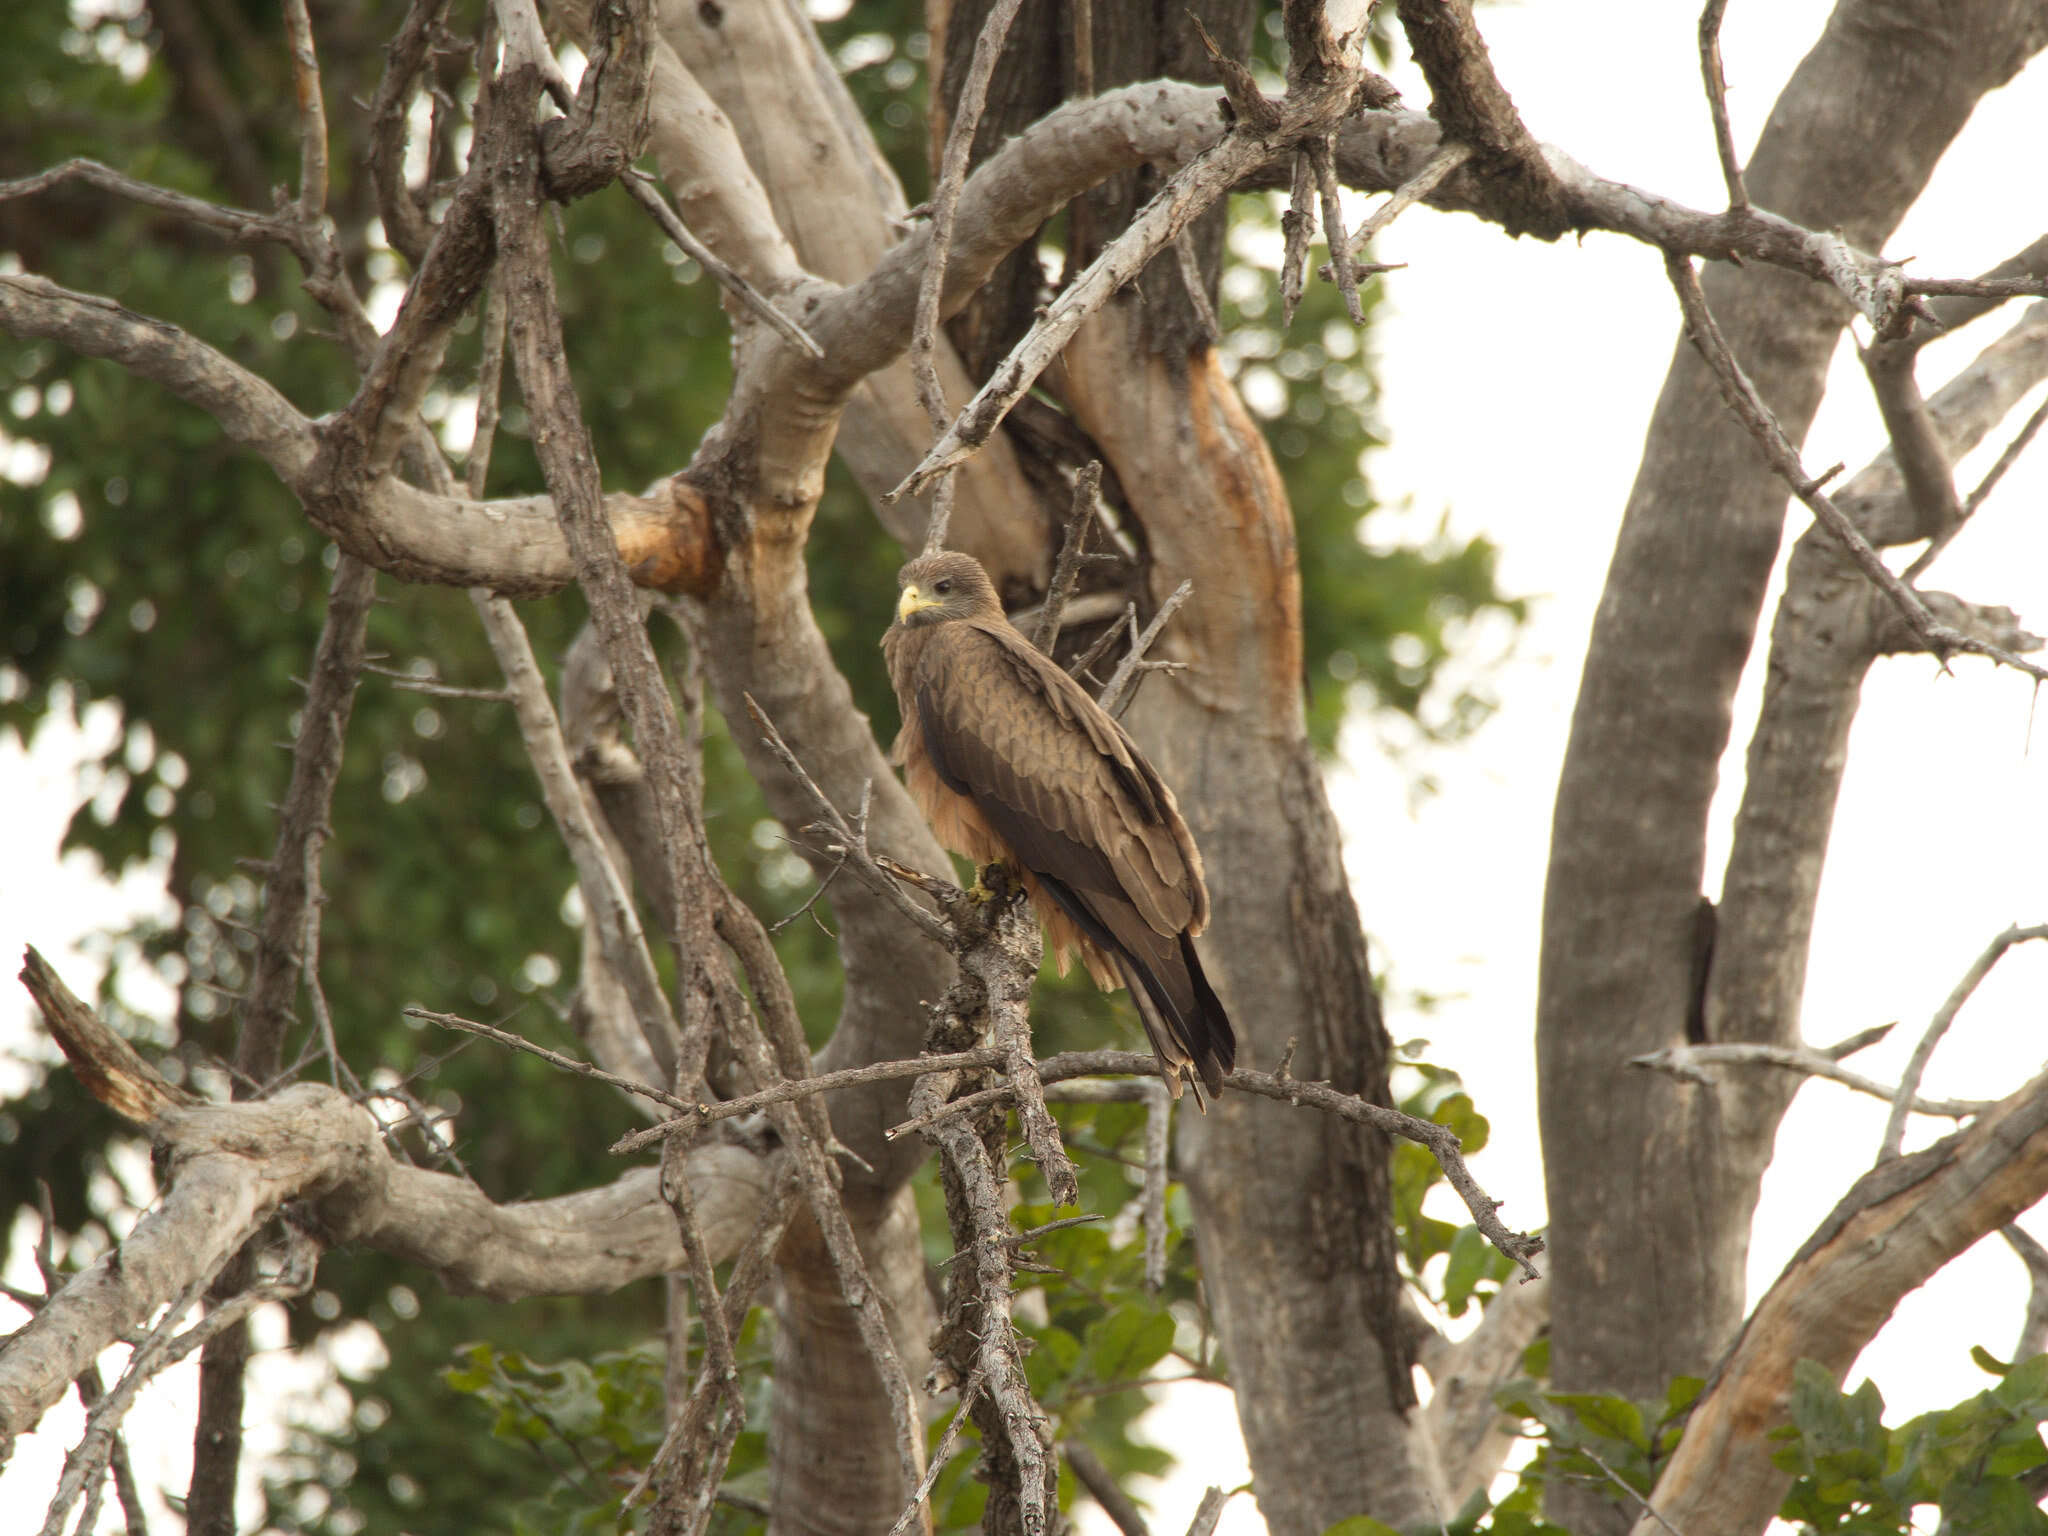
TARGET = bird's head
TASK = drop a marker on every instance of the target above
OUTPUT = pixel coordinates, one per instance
(945, 586)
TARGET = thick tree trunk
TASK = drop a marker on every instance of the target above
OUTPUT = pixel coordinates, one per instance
(1652, 1184)
(1294, 1213)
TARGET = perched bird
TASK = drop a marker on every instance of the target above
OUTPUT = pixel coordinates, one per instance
(1011, 760)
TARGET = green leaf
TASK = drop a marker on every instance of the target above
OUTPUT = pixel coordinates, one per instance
(2024, 1384)
(1360, 1525)
(1987, 1361)
(1129, 1342)
(1467, 1267)
(1608, 1414)
(1683, 1392)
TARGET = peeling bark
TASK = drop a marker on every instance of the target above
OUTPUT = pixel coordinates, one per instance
(1638, 1163)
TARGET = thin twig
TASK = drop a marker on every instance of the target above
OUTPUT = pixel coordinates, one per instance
(1158, 1125)
(1629, 1489)
(161, 1348)
(1938, 638)
(312, 200)
(941, 1453)
(1100, 648)
(787, 1090)
(1297, 228)
(1717, 101)
(1324, 164)
(1102, 1488)
(552, 1058)
(1208, 1512)
(852, 840)
(2033, 1337)
(1978, 287)
(1685, 1062)
(1909, 1080)
(703, 1465)
(924, 335)
(644, 190)
(1448, 158)
(439, 690)
(1441, 1141)
(606, 896)
(1197, 290)
(237, 223)
(490, 384)
(1124, 681)
(2006, 459)
(1067, 569)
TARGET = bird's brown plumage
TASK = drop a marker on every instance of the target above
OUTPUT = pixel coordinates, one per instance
(1011, 760)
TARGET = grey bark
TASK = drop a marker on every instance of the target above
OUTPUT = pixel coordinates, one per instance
(1653, 1185)
(1293, 1213)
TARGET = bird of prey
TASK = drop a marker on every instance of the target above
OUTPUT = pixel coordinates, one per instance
(1010, 760)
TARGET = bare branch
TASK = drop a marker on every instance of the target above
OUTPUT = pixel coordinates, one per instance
(1087, 482)
(1324, 167)
(789, 1089)
(942, 1452)
(1902, 1221)
(1778, 451)
(1123, 683)
(1944, 1016)
(1447, 158)
(1687, 1063)
(1443, 1143)
(605, 894)
(643, 191)
(1102, 1488)
(2007, 457)
(981, 1227)
(1208, 1512)
(852, 840)
(312, 199)
(555, 1059)
(988, 47)
(1158, 1138)
(1188, 193)
(1717, 101)
(1917, 448)
(232, 1165)
(1297, 228)
(238, 224)
(2033, 1338)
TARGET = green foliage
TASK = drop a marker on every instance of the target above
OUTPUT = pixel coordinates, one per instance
(595, 1425)
(1981, 1463)
(158, 567)
(1474, 1269)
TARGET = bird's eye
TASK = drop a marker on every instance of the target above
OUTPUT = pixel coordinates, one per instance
(943, 587)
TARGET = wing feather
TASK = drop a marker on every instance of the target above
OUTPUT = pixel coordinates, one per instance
(1056, 775)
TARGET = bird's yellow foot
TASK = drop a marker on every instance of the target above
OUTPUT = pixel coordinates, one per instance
(993, 882)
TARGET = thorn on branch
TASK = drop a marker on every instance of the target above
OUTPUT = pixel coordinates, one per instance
(1240, 89)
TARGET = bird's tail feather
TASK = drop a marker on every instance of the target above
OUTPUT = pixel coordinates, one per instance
(1191, 1034)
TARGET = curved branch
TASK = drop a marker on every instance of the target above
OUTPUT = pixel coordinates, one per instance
(513, 546)
(232, 1165)
(1901, 1222)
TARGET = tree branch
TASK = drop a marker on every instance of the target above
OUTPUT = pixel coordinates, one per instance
(1901, 1222)
(1944, 1016)
(232, 1165)
(1939, 638)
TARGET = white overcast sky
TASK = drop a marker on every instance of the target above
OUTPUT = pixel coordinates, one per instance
(1518, 380)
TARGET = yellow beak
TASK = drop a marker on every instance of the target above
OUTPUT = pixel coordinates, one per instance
(913, 600)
